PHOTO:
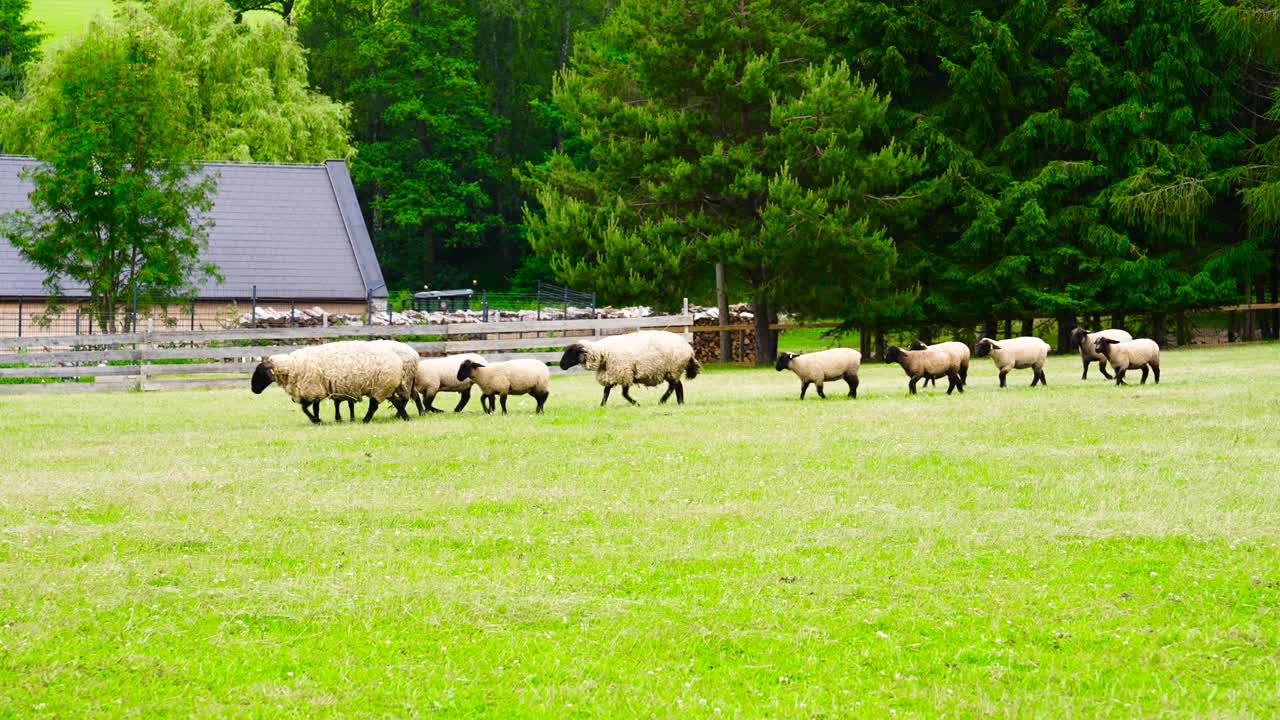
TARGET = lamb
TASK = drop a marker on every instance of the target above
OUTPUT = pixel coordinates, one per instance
(645, 358)
(436, 375)
(1087, 341)
(957, 349)
(514, 377)
(1017, 353)
(815, 368)
(340, 370)
(1124, 356)
(932, 362)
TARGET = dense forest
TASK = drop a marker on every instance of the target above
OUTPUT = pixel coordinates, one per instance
(909, 165)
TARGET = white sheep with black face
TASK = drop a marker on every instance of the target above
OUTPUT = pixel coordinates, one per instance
(1142, 353)
(648, 357)
(931, 362)
(1087, 341)
(345, 371)
(818, 367)
(958, 350)
(437, 375)
(1017, 354)
(513, 377)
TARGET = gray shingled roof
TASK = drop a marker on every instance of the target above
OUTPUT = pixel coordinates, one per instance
(294, 231)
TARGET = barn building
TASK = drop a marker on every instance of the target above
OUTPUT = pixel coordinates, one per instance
(288, 236)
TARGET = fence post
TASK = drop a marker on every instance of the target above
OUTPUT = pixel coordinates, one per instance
(293, 313)
(133, 326)
(593, 306)
(484, 306)
(193, 316)
(77, 320)
(368, 307)
(142, 355)
(253, 298)
(19, 317)
(566, 303)
(684, 310)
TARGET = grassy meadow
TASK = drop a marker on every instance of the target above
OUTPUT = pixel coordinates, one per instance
(1079, 550)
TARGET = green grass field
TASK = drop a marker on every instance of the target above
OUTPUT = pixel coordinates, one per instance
(1079, 550)
(58, 18)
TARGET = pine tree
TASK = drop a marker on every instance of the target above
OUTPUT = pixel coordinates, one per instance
(19, 44)
(720, 134)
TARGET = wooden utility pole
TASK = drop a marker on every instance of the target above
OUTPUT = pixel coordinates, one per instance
(722, 304)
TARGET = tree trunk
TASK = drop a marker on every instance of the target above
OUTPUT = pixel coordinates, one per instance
(722, 303)
(1264, 317)
(1158, 329)
(1183, 334)
(1275, 291)
(864, 342)
(1066, 323)
(1117, 321)
(1028, 326)
(1008, 327)
(766, 340)
(926, 334)
(989, 327)
(880, 346)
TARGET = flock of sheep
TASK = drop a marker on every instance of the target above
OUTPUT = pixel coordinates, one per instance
(390, 371)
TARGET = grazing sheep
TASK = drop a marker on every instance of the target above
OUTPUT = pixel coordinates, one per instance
(645, 358)
(815, 368)
(1124, 356)
(437, 375)
(1017, 353)
(932, 362)
(409, 357)
(514, 377)
(1087, 341)
(957, 349)
(340, 370)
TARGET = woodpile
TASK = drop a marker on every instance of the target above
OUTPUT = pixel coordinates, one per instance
(742, 343)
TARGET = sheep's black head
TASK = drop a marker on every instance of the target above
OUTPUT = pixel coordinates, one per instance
(894, 354)
(984, 346)
(575, 354)
(784, 360)
(1077, 336)
(261, 377)
(1103, 346)
(917, 345)
(466, 368)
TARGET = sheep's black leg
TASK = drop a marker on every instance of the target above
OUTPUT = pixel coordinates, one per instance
(401, 408)
(463, 400)
(373, 408)
(605, 398)
(1144, 375)
(626, 393)
(853, 385)
(1085, 361)
(429, 404)
(912, 385)
(417, 401)
(680, 391)
(964, 375)
(671, 387)
(542, 399)
(1156, 370)
(1102, 366)
(306, 410)
(486, 402)
(1003, 375)
(337, 410)
(959, 382)
(804, 388)
(820, 393)
(504, 404)
(351, 410)
(1120, 377)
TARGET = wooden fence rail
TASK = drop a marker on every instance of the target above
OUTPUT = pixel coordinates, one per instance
(182, 360)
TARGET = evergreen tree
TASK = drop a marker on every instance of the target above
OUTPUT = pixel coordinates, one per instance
(19, 44)
(720, 134)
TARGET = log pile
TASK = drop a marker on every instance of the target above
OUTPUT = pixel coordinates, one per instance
(742, 343)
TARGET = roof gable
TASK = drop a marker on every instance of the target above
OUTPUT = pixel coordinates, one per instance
(293, 231)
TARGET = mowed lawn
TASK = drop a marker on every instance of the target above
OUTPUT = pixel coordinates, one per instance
(1079, 550)
(58, 18)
